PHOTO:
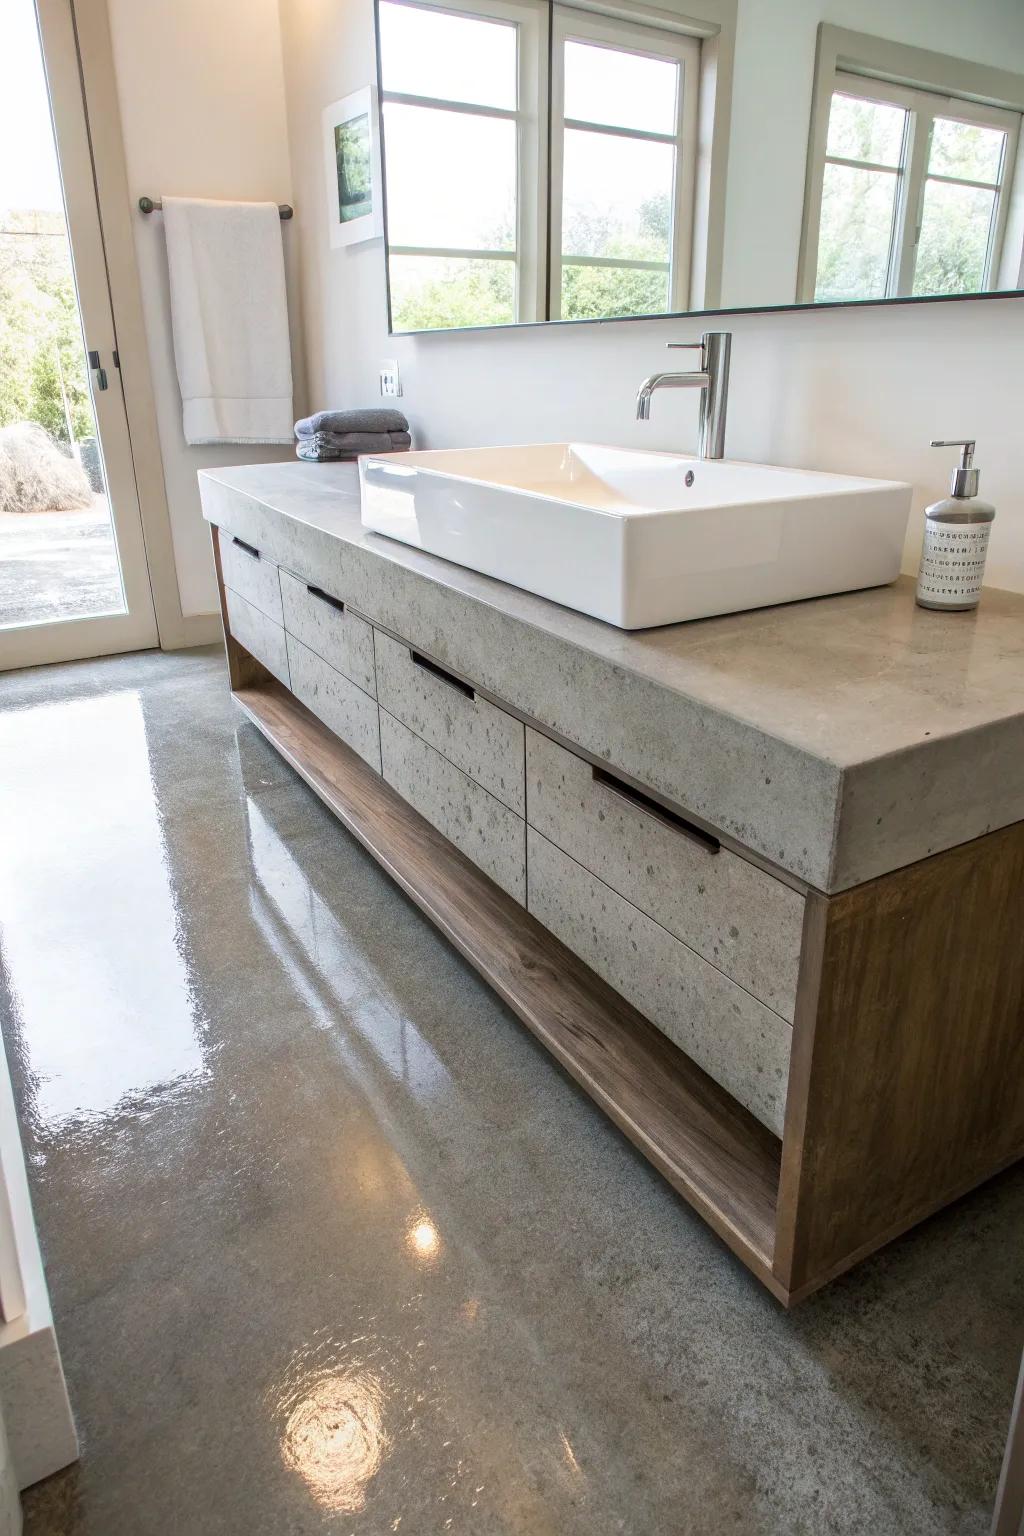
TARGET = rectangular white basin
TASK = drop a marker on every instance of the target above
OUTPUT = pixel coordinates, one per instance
(639, 539)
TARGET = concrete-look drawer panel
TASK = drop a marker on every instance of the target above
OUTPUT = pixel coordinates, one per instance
(343, 707)
(742, 919)
(250, 574)
(475, 735)
(260, 636)
(739, 1042)
(326, 626)
(486, 831)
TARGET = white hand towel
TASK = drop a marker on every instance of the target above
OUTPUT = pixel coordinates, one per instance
(229, 315)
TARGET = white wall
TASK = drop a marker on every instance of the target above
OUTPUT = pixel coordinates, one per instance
(771, 105)
(201, 94)
(855, 390)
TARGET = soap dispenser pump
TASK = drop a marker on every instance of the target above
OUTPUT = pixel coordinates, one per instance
(956, 533)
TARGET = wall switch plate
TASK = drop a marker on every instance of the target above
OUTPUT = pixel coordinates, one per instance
(390, 379)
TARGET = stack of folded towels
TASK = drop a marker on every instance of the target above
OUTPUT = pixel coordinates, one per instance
(346, 434)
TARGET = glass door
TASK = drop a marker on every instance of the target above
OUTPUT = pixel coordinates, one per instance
(73, 575)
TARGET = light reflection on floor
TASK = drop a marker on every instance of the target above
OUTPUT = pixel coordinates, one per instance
(89, 922)
(318, 952)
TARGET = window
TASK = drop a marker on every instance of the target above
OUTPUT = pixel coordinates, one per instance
(623, 156)
(460, 97)
(508, 202)
(914, 190)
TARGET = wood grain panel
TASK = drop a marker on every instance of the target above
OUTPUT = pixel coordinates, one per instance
(907, 1075)
(708, 1147)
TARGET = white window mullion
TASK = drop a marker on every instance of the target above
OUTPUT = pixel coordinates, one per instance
(907, 233)
(556, 168)
(1004, 195)
(680, 297)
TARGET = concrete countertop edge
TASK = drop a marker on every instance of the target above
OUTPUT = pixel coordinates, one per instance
(379, 544)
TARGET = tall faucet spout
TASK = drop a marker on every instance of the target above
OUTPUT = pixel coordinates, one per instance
(712, 379)
(696, 380)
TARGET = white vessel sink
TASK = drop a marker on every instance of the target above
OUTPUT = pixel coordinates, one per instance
(640, 538)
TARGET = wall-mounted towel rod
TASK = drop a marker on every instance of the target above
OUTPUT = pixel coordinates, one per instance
(154, 205)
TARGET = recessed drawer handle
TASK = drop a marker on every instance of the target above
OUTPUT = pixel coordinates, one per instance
(250, 549)
(642, 802)
(325, 597)
(439, 672)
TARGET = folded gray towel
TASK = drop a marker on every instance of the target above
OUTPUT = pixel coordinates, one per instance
(383, 418)
(360, 442)
(347, 445)
(306, 449)
(357, 442)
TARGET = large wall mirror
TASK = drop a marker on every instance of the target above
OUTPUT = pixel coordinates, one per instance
(553, 162)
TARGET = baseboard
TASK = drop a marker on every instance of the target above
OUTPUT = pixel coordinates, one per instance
(194, 629)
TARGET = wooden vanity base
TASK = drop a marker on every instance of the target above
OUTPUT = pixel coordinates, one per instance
(708, 1146)
(907, 1064)
(906, 1083)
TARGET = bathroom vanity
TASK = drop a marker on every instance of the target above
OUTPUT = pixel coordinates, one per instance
(757, 882)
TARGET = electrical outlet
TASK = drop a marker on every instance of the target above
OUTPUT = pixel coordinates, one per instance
(390, 379)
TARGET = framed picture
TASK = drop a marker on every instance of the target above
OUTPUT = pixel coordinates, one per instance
(352, 163)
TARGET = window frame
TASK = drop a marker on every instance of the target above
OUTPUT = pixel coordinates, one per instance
(529, 18)
(569, 24)
(912, 175)
(929, 85)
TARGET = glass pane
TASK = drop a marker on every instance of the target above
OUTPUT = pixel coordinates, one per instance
(594, 293)
(865, 130)
(451, 178)
(431, 292)
(458, 58)
(954, 239)
(58, 558)
(966, 149)
(617, 196)
(856, 233)
(624, 90)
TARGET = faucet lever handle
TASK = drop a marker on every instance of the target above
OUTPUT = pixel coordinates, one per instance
(968, 444)
(685, 346)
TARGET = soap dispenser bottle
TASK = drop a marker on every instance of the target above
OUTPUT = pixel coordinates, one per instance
(956, 531)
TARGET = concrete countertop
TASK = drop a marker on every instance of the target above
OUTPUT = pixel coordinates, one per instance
(838, 738)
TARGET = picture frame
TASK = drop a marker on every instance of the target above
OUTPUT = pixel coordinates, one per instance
(352, 167)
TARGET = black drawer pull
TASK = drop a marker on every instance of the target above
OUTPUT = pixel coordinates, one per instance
(642, 802)
(325, 597)
(439, 672)
(250, 549)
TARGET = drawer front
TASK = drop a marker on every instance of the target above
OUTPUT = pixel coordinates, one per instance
(324, 625)
(739, 1042)
(249, 574)
(486, 831)
(345, 709)
(260, 636)
(739, 917)
(478, 737)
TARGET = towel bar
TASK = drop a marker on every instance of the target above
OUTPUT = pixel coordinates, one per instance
(154, 205)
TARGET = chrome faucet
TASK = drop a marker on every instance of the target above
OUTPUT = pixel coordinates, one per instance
(712, 379)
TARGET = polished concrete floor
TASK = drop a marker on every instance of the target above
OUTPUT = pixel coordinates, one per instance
(334, 1245)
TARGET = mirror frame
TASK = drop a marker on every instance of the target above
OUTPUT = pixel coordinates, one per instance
(714, 22)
